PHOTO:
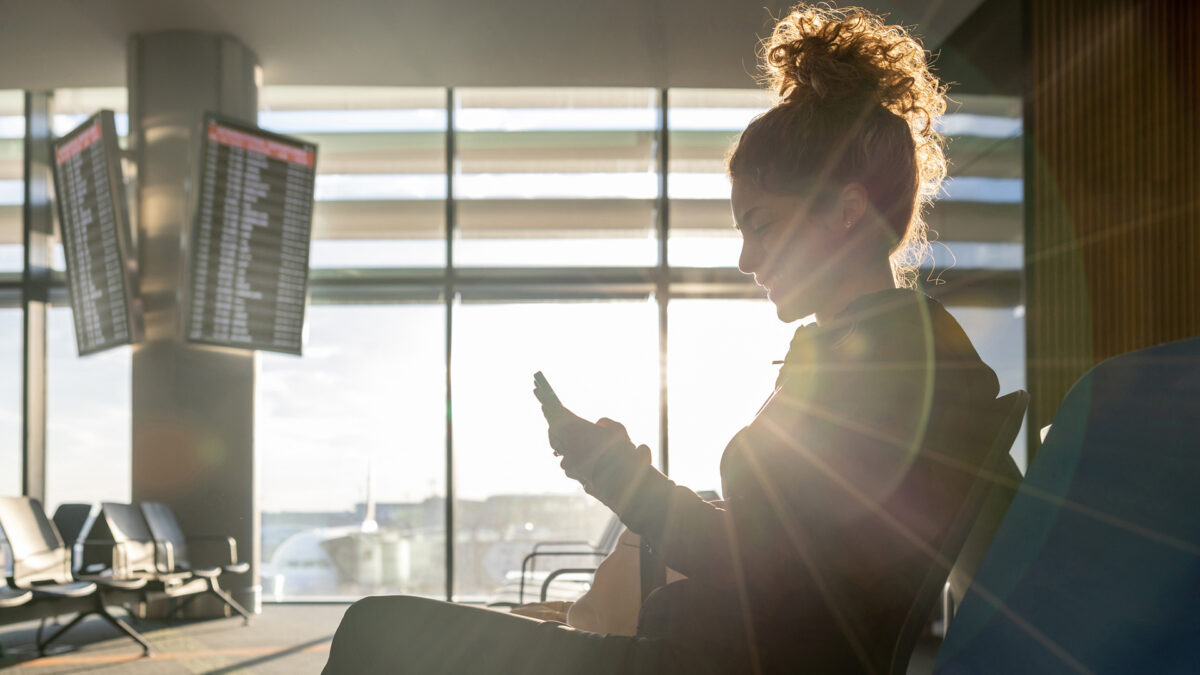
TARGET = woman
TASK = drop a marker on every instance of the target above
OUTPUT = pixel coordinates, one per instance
(839, 489)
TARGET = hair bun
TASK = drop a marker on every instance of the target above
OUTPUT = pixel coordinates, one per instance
(851, 56)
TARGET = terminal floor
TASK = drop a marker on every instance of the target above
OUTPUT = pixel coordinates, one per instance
(283, 639)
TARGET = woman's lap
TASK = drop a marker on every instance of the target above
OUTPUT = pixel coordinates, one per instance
(395, 634)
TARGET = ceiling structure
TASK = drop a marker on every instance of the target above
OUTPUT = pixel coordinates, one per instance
(47, 44)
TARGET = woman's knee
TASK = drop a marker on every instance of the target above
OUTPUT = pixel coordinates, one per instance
(384, 610)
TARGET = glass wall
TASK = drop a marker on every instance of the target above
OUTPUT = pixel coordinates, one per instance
(351, 448)
(550, 197)
(10, 401)
(602, 360)
(720, 372)
(12, 197)
(12, 169)
(381, 171)
(703, 124)
(87, 418)
(556, 177)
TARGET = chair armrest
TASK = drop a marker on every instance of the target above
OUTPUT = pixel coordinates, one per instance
(566, 570)
(118, 555)
(576, 542)
(164, 557)
(525, 563)
(212, 551)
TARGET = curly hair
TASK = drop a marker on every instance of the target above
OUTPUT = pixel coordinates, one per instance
(857, 103)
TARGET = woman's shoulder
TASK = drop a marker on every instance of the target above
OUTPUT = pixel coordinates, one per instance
(902, 320)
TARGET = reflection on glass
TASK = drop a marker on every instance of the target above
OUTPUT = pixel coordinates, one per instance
(381, 170)
(351, 455)
(87, 418)
(570, 173)
(10, 402)
(719, 374)
(602, 360)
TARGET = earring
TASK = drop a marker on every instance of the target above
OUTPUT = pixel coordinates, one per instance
(849, 224)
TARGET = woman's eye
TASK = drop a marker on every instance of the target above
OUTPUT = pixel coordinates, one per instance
(759, 229)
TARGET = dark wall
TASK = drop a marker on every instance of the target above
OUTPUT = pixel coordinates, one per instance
(1113, 185)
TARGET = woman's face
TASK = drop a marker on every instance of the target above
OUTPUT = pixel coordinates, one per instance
(791, 247)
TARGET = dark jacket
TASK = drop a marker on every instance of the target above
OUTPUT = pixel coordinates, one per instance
(835, 495)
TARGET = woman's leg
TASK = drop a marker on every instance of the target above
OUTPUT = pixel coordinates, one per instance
(403, 634)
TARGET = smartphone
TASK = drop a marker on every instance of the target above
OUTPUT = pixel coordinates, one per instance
(545, 393)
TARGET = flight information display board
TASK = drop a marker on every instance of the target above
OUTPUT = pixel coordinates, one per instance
(97, 242)
(250, 238)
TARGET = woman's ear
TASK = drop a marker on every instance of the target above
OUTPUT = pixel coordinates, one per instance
(853, 203)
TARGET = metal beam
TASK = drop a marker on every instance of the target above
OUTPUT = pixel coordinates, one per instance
(38, 229)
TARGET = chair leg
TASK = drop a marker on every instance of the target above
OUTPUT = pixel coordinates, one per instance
(41, 645)
(215, 589)
(179, 607)
(101, 610)
(126, 629)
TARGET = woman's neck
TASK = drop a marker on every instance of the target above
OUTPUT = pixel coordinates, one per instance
(873, 279)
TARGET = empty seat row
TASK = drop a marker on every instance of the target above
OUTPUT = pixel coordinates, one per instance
(113, 554)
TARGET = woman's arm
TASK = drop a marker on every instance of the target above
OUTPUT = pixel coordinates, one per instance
(693, 536)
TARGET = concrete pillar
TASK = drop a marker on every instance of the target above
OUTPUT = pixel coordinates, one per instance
(193, 406)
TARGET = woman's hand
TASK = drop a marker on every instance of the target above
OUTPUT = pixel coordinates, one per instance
(580, 442)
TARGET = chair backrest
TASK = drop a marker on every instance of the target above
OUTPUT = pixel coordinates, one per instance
(1000, 493)
(125, 524)
(1009, 412)
(74, 521)
(1096, 566)
(38, 553)
(165, 530)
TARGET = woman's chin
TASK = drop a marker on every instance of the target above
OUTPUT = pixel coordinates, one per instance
(789, 312)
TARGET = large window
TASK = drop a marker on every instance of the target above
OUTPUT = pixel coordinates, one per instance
(556, 177)
(524, 221)
(10, 401)
(12, 131)
(602, 360)
(87, 419)
(554, 200)
(720, 372)
(12, 169)
(381, 171)
(703, 124)
(351, 455)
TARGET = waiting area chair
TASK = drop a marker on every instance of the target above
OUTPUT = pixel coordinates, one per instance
(1096, 565)
(1009, 413)
(205, 557)
(41, 566)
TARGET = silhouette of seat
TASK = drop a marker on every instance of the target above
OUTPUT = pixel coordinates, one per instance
(174, 554)
(121, 530)
(1096, 565)
(1010, 411)
(73, 522)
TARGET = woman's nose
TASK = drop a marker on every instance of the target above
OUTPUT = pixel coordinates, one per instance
(751, 256)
